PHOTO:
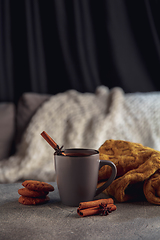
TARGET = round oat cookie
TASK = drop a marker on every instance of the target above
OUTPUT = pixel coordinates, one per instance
(32, 201)
(38, 186)
(30, 193)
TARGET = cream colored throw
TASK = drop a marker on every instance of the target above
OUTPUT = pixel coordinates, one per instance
(85, 120)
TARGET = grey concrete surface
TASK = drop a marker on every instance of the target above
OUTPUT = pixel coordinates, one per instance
(131, 221)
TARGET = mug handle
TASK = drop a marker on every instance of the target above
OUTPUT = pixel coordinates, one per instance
(112, 177)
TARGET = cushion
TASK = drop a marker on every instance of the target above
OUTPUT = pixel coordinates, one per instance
(27, 106)
(7, 129)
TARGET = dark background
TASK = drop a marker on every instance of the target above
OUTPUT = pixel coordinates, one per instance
(49, 46)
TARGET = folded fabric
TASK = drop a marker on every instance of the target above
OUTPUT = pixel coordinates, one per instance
(136, 166)
(151, 188)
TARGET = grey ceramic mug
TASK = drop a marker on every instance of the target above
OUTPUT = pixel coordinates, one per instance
(77, 175)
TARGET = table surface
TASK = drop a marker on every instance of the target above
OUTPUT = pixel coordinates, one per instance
(53, 220)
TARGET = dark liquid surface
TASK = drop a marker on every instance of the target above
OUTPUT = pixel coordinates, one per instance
(76, 154)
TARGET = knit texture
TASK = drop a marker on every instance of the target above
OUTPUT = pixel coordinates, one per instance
(84, 120)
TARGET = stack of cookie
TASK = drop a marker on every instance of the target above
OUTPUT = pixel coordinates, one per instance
(34, 192)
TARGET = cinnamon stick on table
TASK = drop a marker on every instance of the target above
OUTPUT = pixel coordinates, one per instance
(94, 211)
(95, 203)
(101, 206)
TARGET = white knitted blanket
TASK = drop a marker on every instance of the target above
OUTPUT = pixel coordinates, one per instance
(85, 120)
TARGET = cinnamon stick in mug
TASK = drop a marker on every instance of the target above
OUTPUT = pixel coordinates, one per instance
(51, 142)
